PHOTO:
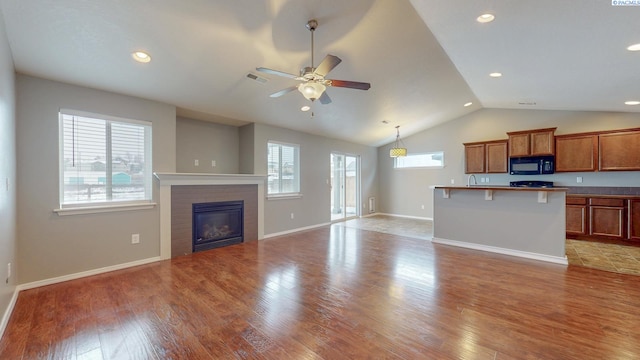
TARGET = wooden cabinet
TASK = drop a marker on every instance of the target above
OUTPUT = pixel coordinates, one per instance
(607, 217)
(532, 142)
(576, 214)
(634, 219)
(486, 157)
(577, 152)
(619, 151)
(474, 158)
(496, 152)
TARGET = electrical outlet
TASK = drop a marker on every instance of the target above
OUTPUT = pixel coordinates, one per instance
(486, 180)
(196, 162)
(579, 179)
(453, 181)
(213, 163)
(135, 238)
(291, 216)
(422, 207)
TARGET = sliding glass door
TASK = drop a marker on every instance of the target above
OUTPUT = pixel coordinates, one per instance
(345, 186)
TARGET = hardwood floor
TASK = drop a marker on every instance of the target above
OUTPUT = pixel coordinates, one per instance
(335, 292)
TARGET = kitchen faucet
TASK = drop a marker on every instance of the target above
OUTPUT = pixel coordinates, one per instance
(475, 182)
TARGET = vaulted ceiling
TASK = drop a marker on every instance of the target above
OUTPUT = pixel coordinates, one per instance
(424, 58)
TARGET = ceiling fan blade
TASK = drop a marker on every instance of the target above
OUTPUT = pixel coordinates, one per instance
(276, 72)
(327, 64)
(283, 91)
(324, 99)
(350, 84)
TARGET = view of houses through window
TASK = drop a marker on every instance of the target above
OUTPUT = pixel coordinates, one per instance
(103, 159)
(283, 168)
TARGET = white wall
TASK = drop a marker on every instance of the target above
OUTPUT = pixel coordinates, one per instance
(314, 207)
(8, 242)
(406, 190)
(51, 245)
(206, 141)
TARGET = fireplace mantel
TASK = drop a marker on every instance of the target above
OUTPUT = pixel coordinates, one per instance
(167, 180)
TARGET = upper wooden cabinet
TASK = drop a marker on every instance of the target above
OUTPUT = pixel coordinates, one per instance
(497, 156)
(576, 152)
(532, 142)
(620, 151)
(486, 157)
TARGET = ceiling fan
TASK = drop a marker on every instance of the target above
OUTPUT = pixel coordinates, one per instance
(314, 84)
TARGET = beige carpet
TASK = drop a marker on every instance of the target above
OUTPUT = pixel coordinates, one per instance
(609, 257)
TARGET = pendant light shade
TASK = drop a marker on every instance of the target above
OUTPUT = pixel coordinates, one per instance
(398, 149)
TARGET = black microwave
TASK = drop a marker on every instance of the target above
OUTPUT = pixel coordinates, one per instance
(531, 165)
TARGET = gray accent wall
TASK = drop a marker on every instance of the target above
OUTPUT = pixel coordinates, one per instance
(8, 237)
(51, 245)
(247, 149)
(314, 207)
(206, 142)
(407, 190)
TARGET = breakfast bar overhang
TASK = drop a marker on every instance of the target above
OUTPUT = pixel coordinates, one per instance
(524, 222)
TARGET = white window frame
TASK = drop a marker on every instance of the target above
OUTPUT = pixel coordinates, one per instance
(73, 208)
(398, 163)
(296, 172)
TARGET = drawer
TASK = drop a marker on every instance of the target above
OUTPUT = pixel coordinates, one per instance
(606, 202)
(571, 200)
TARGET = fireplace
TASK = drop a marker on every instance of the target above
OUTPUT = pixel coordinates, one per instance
(217, 224)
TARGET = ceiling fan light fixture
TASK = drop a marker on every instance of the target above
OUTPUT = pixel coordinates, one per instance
(311, 90)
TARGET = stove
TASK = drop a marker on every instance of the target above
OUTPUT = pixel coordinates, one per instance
(532, 183)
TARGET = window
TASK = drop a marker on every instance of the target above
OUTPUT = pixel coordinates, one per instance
(283, 169)
(103, 160)
(427, 160)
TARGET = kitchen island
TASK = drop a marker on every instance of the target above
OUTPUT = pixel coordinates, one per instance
(524, 222)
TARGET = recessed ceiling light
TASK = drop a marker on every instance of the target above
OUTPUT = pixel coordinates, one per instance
(305, 108)
(632, 102)
(468, 104)
(634, 47)
(495, 74)
(141, 56)
(485, 18)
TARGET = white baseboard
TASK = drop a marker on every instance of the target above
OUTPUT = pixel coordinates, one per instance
(493, 249)
(8, 311)
(405, 216)
(266, 236)
(79, 275)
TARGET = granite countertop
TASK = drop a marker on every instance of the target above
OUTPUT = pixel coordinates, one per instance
(500, 188)
(605, 196)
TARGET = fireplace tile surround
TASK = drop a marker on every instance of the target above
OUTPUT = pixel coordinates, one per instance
(178, 191)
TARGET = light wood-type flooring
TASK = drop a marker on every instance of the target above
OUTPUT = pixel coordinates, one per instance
(335, 292)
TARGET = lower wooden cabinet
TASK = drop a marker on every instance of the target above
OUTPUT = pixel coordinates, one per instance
(576, 213)
(602, 217)
(634, 219)
(607, 217)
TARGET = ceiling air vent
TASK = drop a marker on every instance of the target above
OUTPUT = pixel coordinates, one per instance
(527, 103)
(257, 78)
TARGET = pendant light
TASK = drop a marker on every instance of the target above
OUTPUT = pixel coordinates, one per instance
(398, 148)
